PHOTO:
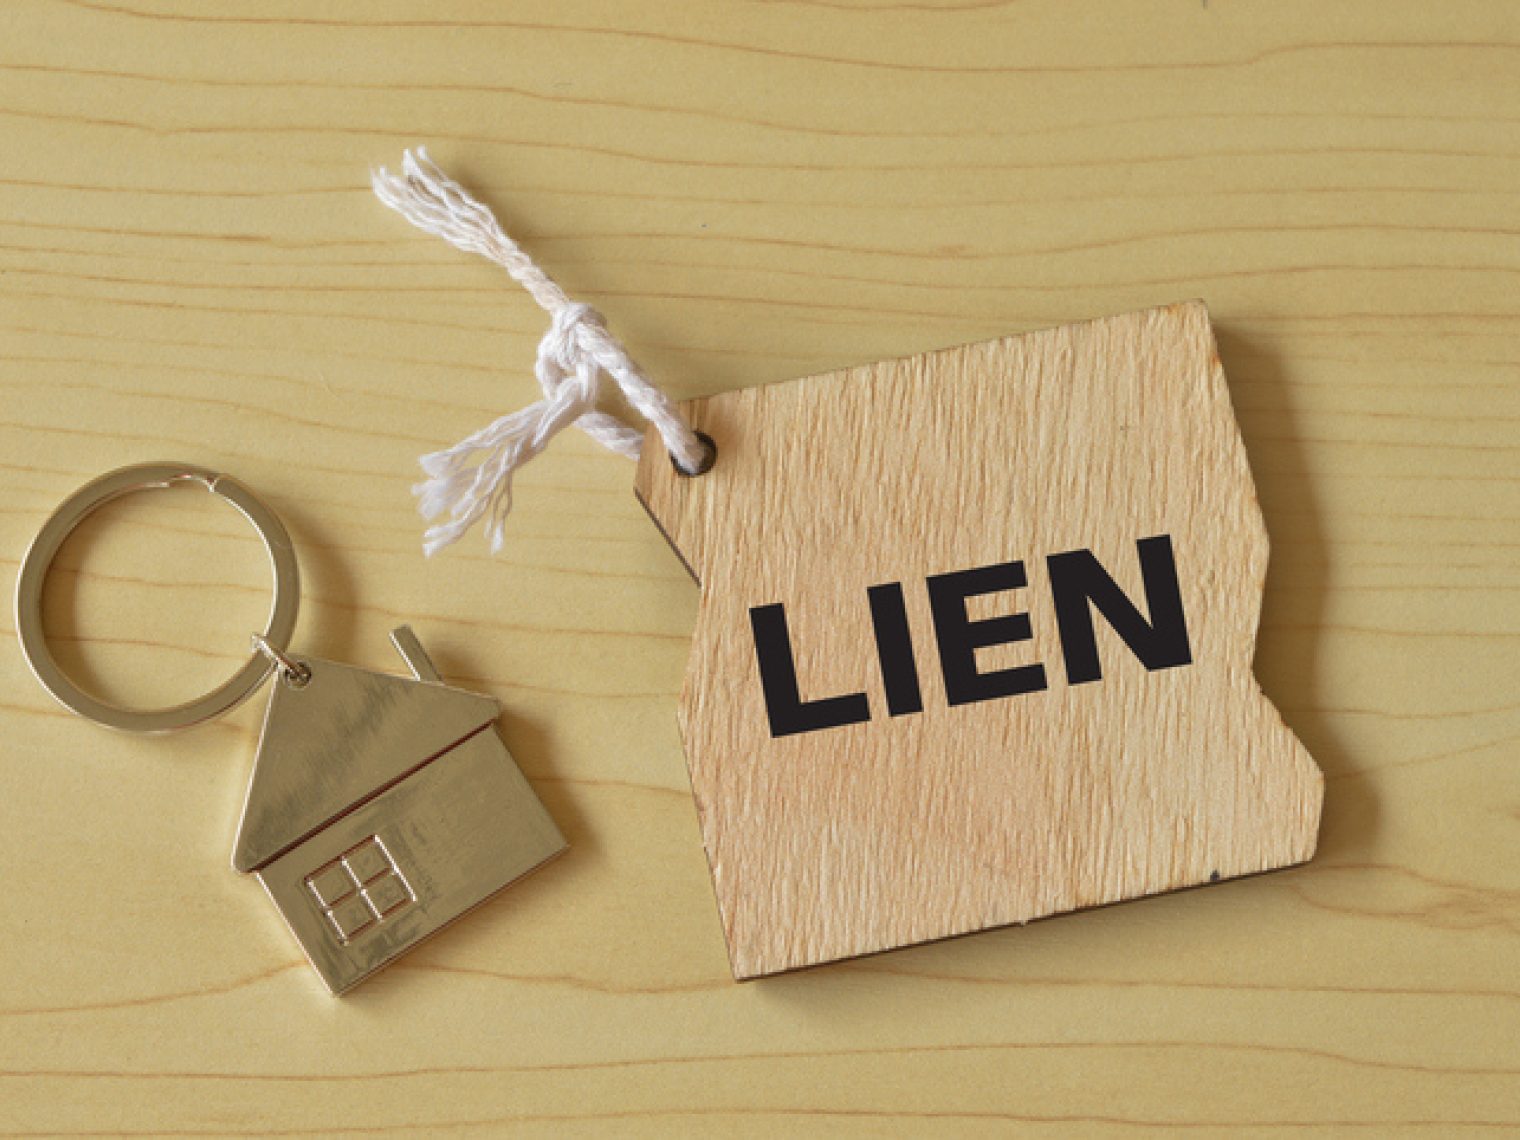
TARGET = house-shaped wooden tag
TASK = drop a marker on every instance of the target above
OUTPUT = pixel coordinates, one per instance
(381, 808)
(975, 638)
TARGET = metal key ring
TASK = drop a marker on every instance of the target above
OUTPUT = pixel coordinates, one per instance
(83, 502)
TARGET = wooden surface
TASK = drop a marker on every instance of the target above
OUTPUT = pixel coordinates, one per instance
(193, 267)
(1066, 789)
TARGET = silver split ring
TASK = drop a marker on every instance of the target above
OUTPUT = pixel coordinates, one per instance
(85, 501)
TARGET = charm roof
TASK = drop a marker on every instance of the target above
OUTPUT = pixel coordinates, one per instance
(340, 739)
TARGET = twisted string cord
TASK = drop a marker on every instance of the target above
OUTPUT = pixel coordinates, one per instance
(473, 479)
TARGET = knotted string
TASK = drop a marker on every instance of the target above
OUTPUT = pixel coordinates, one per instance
(473, 479)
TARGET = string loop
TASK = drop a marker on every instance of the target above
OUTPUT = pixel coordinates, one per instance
(473, 479)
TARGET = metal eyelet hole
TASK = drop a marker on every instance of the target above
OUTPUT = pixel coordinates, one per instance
(292, 672)
(296, 678)
(709, 457)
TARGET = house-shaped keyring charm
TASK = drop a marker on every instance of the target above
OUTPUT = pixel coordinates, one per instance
(382, 808)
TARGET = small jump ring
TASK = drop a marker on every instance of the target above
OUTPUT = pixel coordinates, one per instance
(83, 502)
(292, 672)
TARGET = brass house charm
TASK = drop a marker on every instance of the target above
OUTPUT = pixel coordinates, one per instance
(382, 808)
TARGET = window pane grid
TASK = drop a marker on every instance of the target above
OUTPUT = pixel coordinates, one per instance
(359, 889)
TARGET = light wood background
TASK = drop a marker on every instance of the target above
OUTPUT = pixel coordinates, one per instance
(192, 266)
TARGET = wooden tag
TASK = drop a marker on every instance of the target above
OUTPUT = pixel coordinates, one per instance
(975, 639)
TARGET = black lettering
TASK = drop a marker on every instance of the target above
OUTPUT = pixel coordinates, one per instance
(960, 638)
(1077, 579)
(784, 705)
(894, 648)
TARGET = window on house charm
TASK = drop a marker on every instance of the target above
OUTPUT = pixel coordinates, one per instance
(359, 889)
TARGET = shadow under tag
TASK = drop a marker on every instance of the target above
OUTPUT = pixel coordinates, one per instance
(975, 639)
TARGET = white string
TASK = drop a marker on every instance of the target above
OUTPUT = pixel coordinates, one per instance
(473, 479)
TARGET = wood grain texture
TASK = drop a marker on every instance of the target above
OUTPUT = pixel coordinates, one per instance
(952, 809)
(191, 265)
